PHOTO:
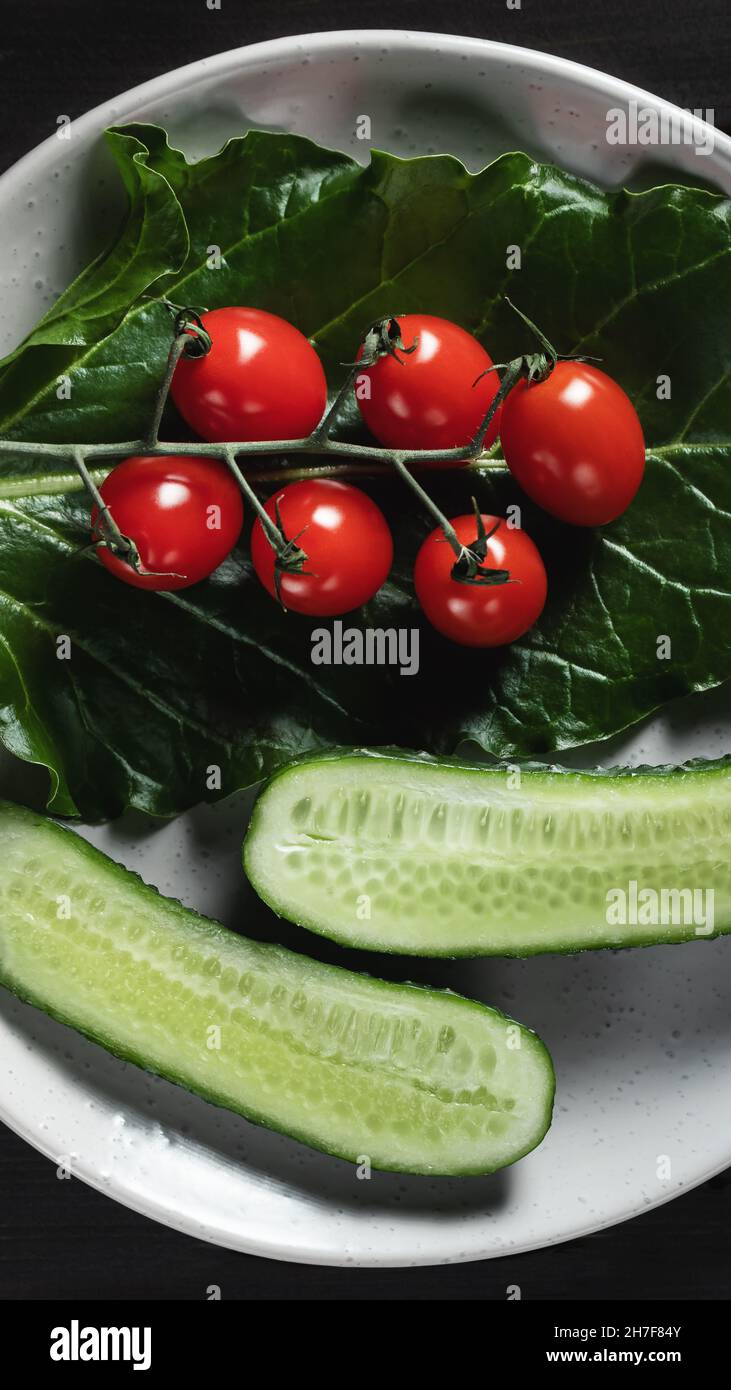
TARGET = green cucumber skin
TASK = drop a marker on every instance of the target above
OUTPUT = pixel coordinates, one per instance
(706, 778)
(51, 842)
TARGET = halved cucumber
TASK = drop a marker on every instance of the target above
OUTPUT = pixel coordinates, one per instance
(415, 1080)
(401, 852)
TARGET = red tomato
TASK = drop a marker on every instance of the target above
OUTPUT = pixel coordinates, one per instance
(574, 443)
(260, 380)
(345, 537)
(481, 615)
(428, 399)
(183, 513)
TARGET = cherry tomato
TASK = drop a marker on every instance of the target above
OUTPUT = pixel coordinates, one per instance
(345, 538)
(260, 380)
(183, 513)
(574, 443)
(481, 615)
(428, 399)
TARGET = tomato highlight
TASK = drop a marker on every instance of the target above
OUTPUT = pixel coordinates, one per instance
(574, 443)
(345, 539)
(260, 380)
(476, 613)
(428, 395)
(183, 513)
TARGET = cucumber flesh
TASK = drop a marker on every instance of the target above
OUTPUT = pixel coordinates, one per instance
(416, 1080)
(399, 852)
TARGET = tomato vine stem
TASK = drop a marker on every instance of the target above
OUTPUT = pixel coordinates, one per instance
(355, 460)
(177, 348)
(191, 337)
(364, 454)
(109, 532)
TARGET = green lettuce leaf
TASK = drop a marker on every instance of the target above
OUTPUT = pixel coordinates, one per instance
(160, 691)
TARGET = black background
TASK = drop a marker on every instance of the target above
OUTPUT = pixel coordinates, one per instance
(62, 1240)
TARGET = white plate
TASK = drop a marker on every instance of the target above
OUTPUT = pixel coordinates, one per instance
(641, 1040)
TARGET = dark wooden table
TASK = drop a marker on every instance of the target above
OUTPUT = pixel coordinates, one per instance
(62, 1240)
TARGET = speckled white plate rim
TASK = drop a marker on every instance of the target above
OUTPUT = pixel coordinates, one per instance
(257, 54)
(289, 1254)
